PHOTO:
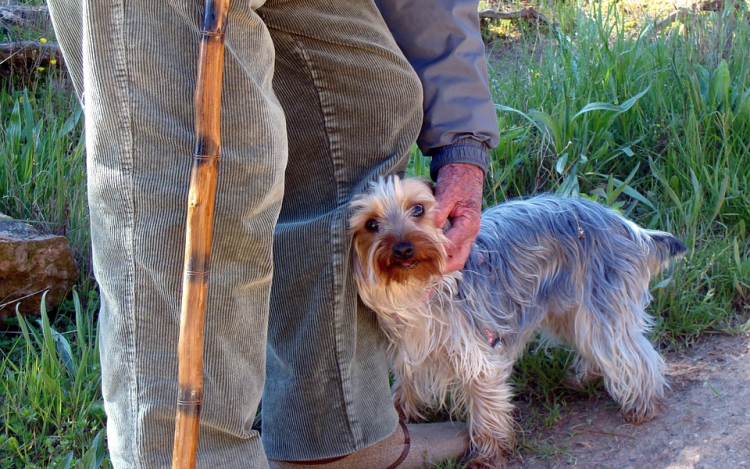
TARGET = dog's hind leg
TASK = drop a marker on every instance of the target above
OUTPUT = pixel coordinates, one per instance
(615, 344)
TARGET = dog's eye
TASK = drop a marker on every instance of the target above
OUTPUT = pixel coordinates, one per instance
(417, 210)
(371, 225)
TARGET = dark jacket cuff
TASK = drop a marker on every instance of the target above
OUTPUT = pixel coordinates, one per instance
(465, 150)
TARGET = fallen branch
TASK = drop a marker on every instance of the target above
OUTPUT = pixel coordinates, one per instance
(27, 21)
(526, 13)
(20, 15)
(511, 15)
(683, 13)
(29, 54)
(529, 13)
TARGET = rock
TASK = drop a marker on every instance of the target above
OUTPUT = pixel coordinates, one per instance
(30, 264)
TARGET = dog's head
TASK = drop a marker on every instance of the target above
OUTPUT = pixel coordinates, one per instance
(395, 241)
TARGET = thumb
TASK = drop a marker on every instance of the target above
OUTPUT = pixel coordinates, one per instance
(442, 212)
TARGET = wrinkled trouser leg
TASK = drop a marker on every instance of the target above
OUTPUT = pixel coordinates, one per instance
(136, 65)
(353, 108)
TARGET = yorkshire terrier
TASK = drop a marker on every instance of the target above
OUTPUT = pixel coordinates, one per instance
(567, 267)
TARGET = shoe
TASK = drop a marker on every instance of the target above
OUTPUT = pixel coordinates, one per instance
(408, 447)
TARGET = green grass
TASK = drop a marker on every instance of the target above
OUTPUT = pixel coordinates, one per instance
(656, 124)
(52, 413)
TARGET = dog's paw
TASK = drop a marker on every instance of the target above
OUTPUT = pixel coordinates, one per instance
(643, 416)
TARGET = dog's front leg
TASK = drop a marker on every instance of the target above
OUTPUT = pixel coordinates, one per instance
(406, 397)
(484, 389)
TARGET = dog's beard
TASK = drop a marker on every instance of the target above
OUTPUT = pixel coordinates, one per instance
(408, 301)
(426, 263)
(387, 283)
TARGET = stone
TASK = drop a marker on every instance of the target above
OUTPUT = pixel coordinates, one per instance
(30, 264)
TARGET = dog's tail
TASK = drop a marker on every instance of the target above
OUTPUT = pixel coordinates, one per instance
(665, 247)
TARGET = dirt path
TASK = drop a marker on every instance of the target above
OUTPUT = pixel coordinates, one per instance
(704, 424)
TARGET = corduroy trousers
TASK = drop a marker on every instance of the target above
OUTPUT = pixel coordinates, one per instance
(317, 101)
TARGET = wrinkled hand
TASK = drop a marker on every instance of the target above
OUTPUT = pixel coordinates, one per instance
(458, 191)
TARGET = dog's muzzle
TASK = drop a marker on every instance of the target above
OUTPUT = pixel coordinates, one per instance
(403, 255)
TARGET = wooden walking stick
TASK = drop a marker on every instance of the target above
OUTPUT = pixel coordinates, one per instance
(201, 196)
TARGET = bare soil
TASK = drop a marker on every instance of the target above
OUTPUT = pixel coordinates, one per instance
(705, 422)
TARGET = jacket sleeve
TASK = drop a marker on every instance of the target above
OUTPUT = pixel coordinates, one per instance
(442, 41)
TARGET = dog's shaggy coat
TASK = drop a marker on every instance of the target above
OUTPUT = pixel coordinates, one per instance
(570, 268)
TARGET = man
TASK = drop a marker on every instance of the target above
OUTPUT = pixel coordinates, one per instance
(317, 101)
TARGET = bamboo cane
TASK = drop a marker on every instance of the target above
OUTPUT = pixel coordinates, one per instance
(201, 197)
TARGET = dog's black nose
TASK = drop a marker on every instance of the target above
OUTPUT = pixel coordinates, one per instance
(403, 250)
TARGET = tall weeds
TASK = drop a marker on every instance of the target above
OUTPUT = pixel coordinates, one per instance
(50, 410)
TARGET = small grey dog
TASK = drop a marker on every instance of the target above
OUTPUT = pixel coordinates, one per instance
(568, 267)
